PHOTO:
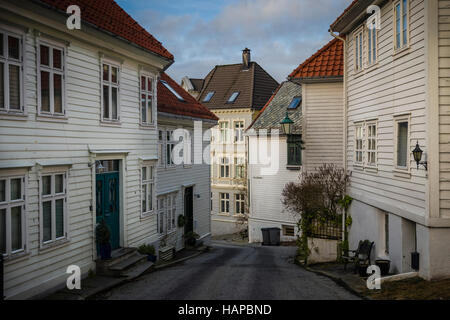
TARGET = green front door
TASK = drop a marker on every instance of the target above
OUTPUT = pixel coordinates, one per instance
(107, 196)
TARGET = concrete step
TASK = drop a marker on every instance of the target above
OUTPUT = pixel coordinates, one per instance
(127, 263)
(117, 256)
(138, 270)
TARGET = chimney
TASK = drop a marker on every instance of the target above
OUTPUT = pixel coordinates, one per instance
(246, 58)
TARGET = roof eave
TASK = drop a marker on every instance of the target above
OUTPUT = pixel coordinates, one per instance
(317, 79)
(352, 16)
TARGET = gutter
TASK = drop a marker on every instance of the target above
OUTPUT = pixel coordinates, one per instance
(173, 116)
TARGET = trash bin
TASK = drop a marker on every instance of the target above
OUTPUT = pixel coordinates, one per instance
(266, 236)
(274, 236)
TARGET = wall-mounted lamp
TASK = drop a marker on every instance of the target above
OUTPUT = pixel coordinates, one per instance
(286, 125)
(417, 152)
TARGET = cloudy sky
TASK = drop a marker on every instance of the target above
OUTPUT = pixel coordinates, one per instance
(205, 33)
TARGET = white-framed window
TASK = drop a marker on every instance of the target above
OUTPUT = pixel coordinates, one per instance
(224, 203)
(167, 213)
(401, 24)
(224, 167)
(211, 204)
(359, 143)
(239, 168)
(53, 206)
(161, 148)
(238, 131)
(147, 189)
(358, 43)
(161, 215)
(239, 203)
(187, 148)
(12, 215)
(372, 145)
(372, 42)
(11, 72)
(51, 78)
(147, 99)
(170, 145)
(110, 91)
(224, 131)
(402, 141)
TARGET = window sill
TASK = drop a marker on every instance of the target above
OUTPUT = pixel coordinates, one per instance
(373, 66)
(223, 214)
(371, 169)
(358, 167)
(398, 53)
(239, 215)
(13, 115)
(147, 126)
(402, 173)
(147, 215)
(54, 245)
(16, 257)
(358, 73)
(50, 118)
(105, 123)
(294, 167)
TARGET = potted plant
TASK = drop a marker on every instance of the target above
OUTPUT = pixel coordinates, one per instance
(181, 221)
(103, 236)
(190, 238)
(149, 251)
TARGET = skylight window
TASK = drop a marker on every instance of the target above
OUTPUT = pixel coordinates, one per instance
(172, 90)
(295, 103)
(233, 97)
(208, 96)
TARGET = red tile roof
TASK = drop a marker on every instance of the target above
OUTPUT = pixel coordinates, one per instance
(109, 16)
(168, 103)
(327, 62)
(344, 13)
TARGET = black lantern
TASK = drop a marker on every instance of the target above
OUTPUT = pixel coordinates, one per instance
(417, 152)
(286, 125)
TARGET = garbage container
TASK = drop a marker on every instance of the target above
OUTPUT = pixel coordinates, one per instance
(274, 236)
(266, 236)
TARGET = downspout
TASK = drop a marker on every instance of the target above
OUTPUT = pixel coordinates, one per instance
(344, 159)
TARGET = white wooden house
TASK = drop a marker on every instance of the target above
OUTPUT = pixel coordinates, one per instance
(74, 137)
(397, 95)
(313, 100)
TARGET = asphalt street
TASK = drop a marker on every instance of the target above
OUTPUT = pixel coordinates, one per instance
(233, 272)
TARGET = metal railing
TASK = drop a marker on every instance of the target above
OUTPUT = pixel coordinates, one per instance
(330, 229)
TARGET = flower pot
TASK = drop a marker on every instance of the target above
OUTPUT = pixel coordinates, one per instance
(384, 266)
(105, 251)
(151, 258)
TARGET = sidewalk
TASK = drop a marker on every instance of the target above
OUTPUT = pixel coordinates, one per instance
(96, 284)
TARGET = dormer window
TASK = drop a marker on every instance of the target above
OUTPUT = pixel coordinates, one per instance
(172, 90)
(233, 97)
(295, 103)
(208, 96)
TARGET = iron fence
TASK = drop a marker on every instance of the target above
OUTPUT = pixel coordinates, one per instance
(329, 229)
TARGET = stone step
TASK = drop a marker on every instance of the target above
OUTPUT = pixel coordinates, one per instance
(127, 263)
(117, 256)
(138, 270)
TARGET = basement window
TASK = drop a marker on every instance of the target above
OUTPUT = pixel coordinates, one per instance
(288, 231)
(172, 90)
(233, 97)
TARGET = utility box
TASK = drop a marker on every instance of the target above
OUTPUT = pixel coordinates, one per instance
(266, 236)
(274, 236)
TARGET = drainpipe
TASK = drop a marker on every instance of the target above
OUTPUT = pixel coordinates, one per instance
(344, 117)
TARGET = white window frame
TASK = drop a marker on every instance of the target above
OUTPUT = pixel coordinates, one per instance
(188, 152)
(7, 205)
(6, 31)
(147, 93)
(238, 133)
(167, 213)
(149, 184)
(224, 198)
(237, 164)
(402, 39)
(224, 131)
(239, 201)
(358, 42)
(169, 147)
(161, 148)
(372, 43)
(160, 218)
(225, 163)
(110, 85)
(62, 72)
(369, 137)
(53, 197)
(359, 127)
(397, 121)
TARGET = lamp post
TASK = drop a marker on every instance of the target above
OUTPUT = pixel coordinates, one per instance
(417, 153)
(286, 125)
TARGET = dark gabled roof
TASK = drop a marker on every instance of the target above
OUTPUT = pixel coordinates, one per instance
(197, 84)
(108, 16)
(325, 63)
(275, 109)
(168, 103)
(255, 86)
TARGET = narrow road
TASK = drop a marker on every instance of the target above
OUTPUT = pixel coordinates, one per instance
(229, 272)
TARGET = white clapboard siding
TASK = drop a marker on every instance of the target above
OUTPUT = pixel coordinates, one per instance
(396, 85)
(323, 124)
(444, 105)
(33, 139)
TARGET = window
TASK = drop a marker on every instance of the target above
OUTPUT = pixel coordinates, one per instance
(288, 231)
(372, 42)
(161, 215)
(147, 189)
(211, 204)
(110, 92)
(238, 131)
(233, 97)
(372, 144)
(209, 96)
(294, 151)
(295, 103)
(12, 215)
(386, 233)
(359, 142)
(401, 16)
(11, 72)
(160, 148)
(51, 80)
(240, 203)
(53, 203)
(358, 42)
(171, 210)
(172, 90)
(147, 109)
(170, 145)
(224, 203)
(402, 144)
(167, 208)
(239, 168)
(224, 168)
(187, 148)
(223, 127)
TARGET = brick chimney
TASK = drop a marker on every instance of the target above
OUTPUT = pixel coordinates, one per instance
(246, 58)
